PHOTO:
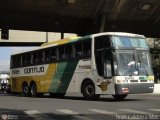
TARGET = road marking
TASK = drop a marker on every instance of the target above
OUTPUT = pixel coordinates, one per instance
(67, 111)
(134, 111)
(38, 115)
(32, 112)
(154, 98)
(158, 110)
(76, 114)
(101, 111)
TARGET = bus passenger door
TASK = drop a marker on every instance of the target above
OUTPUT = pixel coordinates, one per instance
(106, 58)
(103, 64)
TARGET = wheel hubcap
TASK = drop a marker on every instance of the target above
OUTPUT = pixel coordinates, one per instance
(90, 90)
(25, 89)
(33, 90)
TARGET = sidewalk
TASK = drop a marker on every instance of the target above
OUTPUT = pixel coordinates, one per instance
(156, 88)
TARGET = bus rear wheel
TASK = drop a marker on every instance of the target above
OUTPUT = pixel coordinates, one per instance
(88, 91)
(33, 90)
(25, 90)
(119, 97)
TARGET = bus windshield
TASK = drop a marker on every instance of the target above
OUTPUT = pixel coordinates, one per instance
(129, 42)
(133, 63)
(144, 63)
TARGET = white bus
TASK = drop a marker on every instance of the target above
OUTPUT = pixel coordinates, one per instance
(110, 63)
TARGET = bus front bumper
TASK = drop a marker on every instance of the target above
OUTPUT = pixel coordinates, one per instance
(134, 88)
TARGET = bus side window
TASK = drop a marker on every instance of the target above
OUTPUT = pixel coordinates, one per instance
(102, 43)
(68, 51)
(23, 60)
(61, 52)
(12, 62)
(78, 50)
(34, 58)
(87, 48)
(18, 61)
(40, 56)
(53, 55)
(28, 59)
(46, 55)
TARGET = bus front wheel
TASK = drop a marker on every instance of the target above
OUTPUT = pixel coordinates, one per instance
(88, 91)
(119, 97)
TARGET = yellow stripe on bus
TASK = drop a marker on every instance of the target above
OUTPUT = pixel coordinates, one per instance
(62, 41)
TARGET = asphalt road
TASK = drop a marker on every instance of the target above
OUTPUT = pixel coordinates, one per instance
(74, 107)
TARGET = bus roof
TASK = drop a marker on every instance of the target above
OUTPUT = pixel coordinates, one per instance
(118, 34)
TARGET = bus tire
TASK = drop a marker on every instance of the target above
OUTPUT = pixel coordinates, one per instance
(57, 95)
(88, 90)
(25, 89)
(119, 97)
(33, 90)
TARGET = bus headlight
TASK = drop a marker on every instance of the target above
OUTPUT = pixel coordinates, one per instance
(119, 81)
(151, 78)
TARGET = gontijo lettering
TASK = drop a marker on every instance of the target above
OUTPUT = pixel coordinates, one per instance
(34, 70)
(15, 72)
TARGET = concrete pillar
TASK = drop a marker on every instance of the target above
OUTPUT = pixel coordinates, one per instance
(103, 22)
(62, 35)
(46, 37)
